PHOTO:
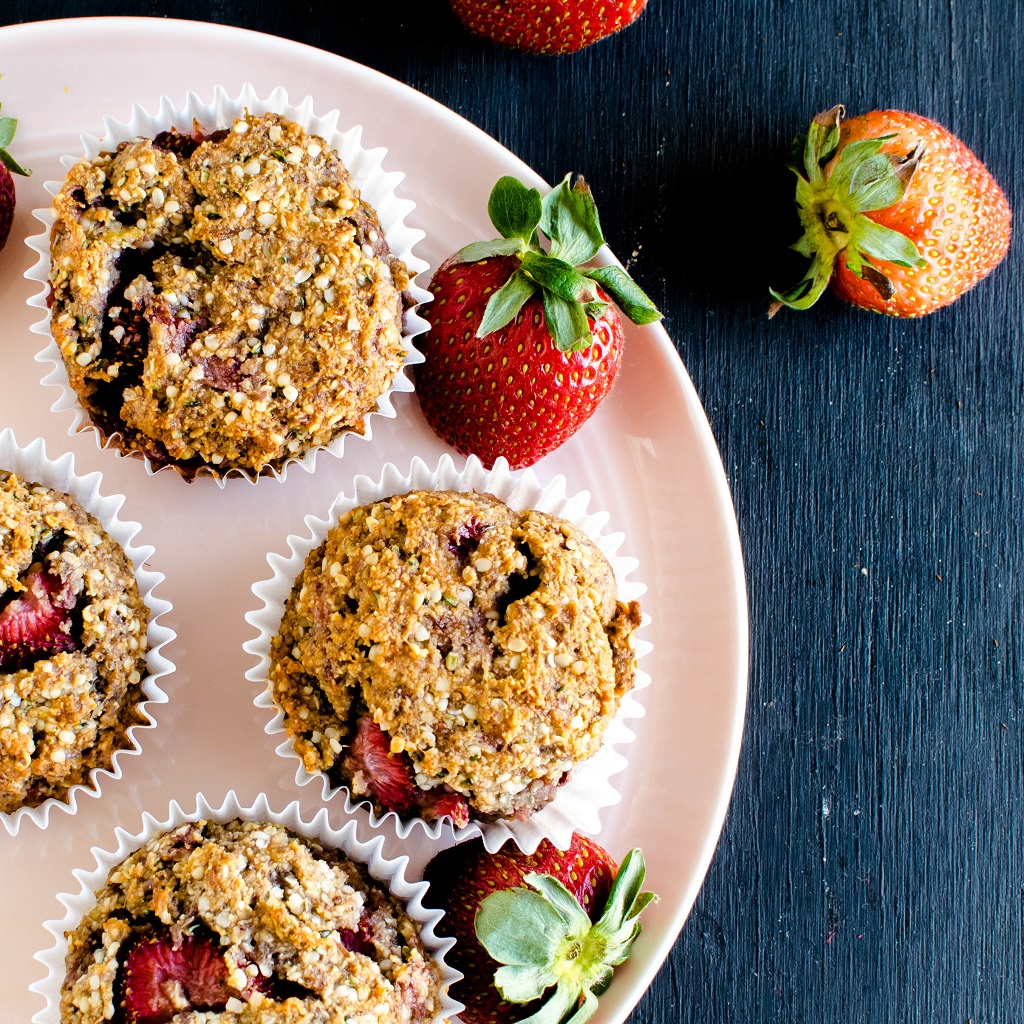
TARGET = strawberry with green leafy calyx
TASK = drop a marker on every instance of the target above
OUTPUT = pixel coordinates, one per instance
(899, 216)
(8, 126)
(833, 207)
(567, 217)
(545, 939)
(525, 342)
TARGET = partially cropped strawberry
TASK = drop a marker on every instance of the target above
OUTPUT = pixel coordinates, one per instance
(899, 216)
(36, 622)
(556, 26)
(524, 343)
(390, 778)
(536, 935)
(161, 978)
(8, 164)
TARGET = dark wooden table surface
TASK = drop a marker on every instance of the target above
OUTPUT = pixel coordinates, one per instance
(872, 863)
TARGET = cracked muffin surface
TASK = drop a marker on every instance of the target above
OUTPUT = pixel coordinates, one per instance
(251, 923)
(73, 638)
(224, 300)
(445, 655)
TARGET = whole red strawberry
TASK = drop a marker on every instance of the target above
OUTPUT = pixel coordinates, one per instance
(8, 126)
(556, 26)
(899, 216)
(556, 919)
(524, 343)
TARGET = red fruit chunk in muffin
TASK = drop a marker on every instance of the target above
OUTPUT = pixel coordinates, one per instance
(37, 622)
(161, 979)
(386, 776)
(389, 778)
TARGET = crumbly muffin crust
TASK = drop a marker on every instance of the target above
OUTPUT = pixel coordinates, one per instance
(279, 905)
(63, 714)
(224, 300)
(486, 643)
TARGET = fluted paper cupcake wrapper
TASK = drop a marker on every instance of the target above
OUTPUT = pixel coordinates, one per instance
(579, 802)
(31, 463)
(376, 185)
(390, 872)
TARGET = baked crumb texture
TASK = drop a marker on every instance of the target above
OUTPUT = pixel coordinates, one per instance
(486, 643)
(281, 909)
(64, 712)
(224, 300)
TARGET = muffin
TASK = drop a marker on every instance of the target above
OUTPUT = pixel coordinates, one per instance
(445, 656)
(73, 641)
(248, 922)
(226, 300)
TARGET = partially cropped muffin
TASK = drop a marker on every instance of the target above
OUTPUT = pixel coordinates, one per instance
(224, 300)
(73, 632)
(250, 923)
(446, 656)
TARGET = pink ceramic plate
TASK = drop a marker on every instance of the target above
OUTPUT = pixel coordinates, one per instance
(648, 458)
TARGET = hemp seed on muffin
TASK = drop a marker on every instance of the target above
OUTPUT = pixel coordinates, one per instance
(73, 632)
(224, 300)
(250, 923)
(443, 655)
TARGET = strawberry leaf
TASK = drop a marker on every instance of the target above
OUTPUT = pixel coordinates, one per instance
(632, 299)
(564, 998)
(555, 893)
(803, 246)
(559, 277)
(874, 185)
(8, 126)
(626, 890)
(514, 209)
(570, 220)
(482, 250)
(523, 983)
(521, 927)
(821, 143)
(855, 261)
(505, 304)
(567, 322)
(851, 158)
(878, 281)
(807, 292)
(603, 979)
(587, 1009)
(804, 192)
(882, 243)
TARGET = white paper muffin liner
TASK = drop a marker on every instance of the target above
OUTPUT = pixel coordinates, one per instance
(376, 185)
(31, 463)
(578, 803)
(390, 872)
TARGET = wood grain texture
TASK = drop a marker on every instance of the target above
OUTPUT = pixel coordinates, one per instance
(872, 864)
